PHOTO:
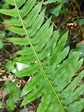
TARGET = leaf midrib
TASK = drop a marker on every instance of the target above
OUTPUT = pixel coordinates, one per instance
(41, 67)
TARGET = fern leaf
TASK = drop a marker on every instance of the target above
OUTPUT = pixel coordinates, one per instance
(45, 56)
(12, 12)
(18, 41)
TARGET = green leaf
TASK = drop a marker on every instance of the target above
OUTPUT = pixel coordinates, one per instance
(2, 34)
(14, 92)
(10, 65)
(56, 11)
(80, 49)
(1, 44)
(81, 22)
(18, 41)
(8, 12)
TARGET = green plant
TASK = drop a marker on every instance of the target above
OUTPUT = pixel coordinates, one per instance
(79, 48)
(45, 57)
(14, 91)
(2, 34)
(58, 7)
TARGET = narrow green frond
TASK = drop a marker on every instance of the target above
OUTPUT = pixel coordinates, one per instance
(70, 88)
(11, 2)
(18, 41)
(26, 59)
(35, 93)
(15, 22)
(63, 55)
(44, 40)
(43, 104)
(19, 3)
(76, 106)
(25, 51)
(67, 77)
(36, 25)
(32, 17)
(30, 70)
(38, 36)
(32, 84)
(27, 8)
(75, 95)
(19, 31)
(59, 47)
(8, 12)
(53, 41)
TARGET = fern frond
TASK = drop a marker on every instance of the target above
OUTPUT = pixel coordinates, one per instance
(45, 56)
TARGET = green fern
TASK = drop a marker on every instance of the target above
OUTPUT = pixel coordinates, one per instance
(44, 53)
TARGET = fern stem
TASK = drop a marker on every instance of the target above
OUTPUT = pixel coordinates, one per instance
(42, 69)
